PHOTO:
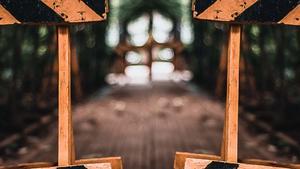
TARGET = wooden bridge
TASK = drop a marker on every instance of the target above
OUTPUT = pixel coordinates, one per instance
(182, 119)
(148, 130)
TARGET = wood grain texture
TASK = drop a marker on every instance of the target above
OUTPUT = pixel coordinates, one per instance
(293, 18)
(73, 11)
(49, 12)
(230, 139)
(6, 17)
(115, 163)
(83, 166)
(181, 157)
(248, 11)
(202, 164)
(65, 135)
(226, 10)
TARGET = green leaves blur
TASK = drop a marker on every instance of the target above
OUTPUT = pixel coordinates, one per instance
(132, 9)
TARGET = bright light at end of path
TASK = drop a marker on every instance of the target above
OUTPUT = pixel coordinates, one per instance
(139, 74)
(161, 71)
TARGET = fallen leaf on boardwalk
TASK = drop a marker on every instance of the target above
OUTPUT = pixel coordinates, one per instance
(119, 106)
(178, 102)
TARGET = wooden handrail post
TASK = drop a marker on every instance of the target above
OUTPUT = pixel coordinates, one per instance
(230, 133)
(65, 128)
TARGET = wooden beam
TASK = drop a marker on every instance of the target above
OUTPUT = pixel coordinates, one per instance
(74, 11)
(116, 163)
(65, 129)
(181, 158)
(225, 10)
(230, 133)
(293, 17)
(6, 17)
(86, 166)
(46, 12)
(203, 164)
(248, 11)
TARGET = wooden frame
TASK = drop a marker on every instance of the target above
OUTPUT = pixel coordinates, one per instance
(238, 12)
(248, 11)
(229, 149)
(116, 163)
(66, 146)
(181, 157)
(52, 11)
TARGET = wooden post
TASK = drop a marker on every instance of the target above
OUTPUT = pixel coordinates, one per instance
(230, 133)
(65, 129)
(150, 61)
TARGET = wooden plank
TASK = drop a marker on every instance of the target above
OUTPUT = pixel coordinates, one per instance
(65, 135)
(115, 162)
(74, 11)
(209, 164)
(293, 17)
(230, 140)
(83, 166)
(6, 17)
(225, 10)
(248, 11)
(181, 157)
(52, 11)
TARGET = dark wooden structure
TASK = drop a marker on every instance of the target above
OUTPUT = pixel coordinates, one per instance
(124, 47)
(249, 11)
(62, 13)
(52, 11)
(237, 12)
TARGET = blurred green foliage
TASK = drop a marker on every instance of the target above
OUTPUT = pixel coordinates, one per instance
(132, 9)
(28, 69)
(272, 53)
(28, 57)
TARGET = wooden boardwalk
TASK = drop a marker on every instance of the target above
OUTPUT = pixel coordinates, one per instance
(146, 125)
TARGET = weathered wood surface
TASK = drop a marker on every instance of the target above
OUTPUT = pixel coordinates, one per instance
(29, 165)
(249, 11)
(66, 152)
(83, 166)
(209, 164)
(181, 158)
(229, 150)
(114, 163)
(52, 11)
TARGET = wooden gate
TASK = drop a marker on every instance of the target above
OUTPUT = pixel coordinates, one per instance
(237, 13)
(61, 13)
